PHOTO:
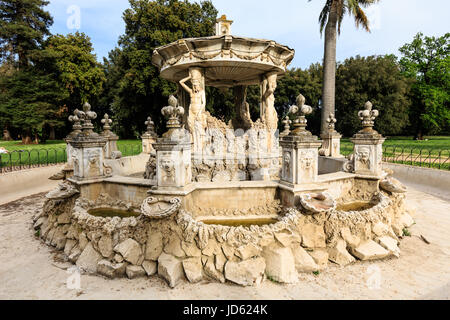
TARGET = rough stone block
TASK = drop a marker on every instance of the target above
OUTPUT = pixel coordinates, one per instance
(370, 250)
(320, 257)
(154, 246)
(339, 254)
(280, 264)
(193, 269)
(303, 261)
(135, 272)
(313, 236)
(246, 273)
(89, 259)
(130, 251)
(150, 267)
(171, 269)
(389, 244)
(111, 270)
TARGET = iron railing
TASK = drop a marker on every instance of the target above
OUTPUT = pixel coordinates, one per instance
(419, 157)
(430, 158)
(33, 158)
(26, 159)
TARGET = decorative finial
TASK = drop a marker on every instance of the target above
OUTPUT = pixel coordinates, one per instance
(150, 127)
(88, 115)
(106, 123)
(302, 110)
(76, 119)
(223, 26)
(367, 117)
(331, 120)
(287, 126)
(173, 112)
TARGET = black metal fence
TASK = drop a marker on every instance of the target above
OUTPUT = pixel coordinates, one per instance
(33, 158)
(25, 159)
(430, 158)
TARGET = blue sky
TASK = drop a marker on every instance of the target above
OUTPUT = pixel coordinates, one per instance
(289, 22)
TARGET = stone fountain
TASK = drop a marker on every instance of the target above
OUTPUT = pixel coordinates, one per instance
(219, 201)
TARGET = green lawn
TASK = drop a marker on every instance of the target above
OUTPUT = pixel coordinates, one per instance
(432, 152)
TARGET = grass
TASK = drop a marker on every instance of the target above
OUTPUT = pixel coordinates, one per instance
(406, 233)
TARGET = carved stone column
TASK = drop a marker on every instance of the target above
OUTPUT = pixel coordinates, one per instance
(111, 151)
(300, 149)
(87, 153)
(173, 151)
(149, 137)
(331, 140)
(367, 157)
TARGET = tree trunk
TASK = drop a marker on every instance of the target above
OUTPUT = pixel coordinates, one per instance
(26, 137)
(329, 68)
(52, 135)
(419, 130)
(6, 135)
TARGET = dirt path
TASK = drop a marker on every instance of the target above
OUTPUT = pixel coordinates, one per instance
(27, 269)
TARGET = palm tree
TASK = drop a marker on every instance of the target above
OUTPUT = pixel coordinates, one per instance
(330, 19)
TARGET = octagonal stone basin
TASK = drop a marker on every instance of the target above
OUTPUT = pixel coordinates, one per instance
(112, 212)
(356, 206)
(239, 222)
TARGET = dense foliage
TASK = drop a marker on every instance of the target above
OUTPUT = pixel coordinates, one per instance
(426, 60)
(138, 91)
(44, 77)
(378, 79)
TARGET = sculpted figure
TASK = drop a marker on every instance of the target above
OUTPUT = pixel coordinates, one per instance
(363, 156)
(243, 119)
(168, 168)
(268, 113)
(196, 120)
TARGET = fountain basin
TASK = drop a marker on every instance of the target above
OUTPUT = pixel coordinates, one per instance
(111, 213)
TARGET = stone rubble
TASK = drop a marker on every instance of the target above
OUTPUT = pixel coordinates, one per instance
(183, 248)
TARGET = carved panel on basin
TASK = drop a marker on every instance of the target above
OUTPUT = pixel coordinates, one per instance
(392, 185)
(317, 202)
(155, 208)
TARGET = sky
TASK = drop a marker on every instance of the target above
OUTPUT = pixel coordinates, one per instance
(293, 23)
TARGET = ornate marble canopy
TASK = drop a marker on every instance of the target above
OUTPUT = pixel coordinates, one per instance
(227, 60)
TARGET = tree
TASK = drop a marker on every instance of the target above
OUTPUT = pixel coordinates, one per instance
(31, 100)
(23, 26)
(426, 60)
(72, 59)
(374, 78)
(330, 20)
(308, 82)
(140, 91)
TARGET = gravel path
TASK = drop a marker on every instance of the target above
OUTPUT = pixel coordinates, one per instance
(28, 269)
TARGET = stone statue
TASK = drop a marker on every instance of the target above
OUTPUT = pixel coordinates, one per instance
(243, 119)
(268, 113)
(196, 120)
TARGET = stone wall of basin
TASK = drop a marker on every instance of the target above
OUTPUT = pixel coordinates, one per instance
(182, 247)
